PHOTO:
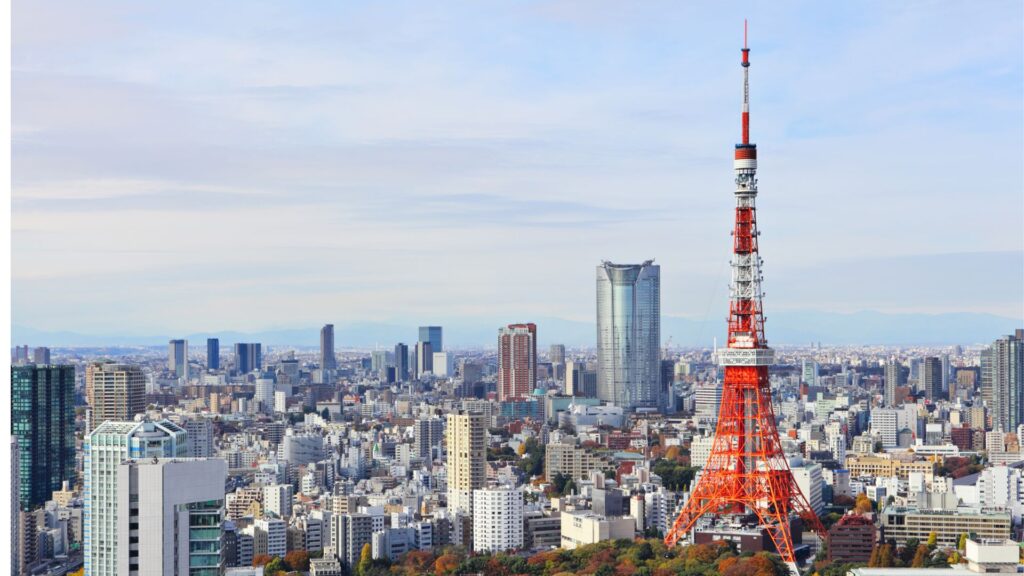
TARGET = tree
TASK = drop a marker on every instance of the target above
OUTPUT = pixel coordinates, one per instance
(932, 540)
(260, 560)
(274, 566)
(885, 557)
(873, 560)
(963, 542)
(954, 558)
(863, 504)
(919, 556)
(445, 563)
(365, 559)
(326, 415)
(297, 560)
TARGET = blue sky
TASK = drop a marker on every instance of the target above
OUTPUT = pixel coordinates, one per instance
(198, 166)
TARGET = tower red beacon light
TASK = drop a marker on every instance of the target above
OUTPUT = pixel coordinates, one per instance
(747, 477)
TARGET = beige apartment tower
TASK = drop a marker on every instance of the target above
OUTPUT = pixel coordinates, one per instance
(116, 392)
(466, 441)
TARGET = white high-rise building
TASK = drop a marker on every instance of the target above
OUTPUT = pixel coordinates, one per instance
(700, 450)
(176, 508)
(302, 449)
(497, 519)
(442, 365)
(708, 401)
(629, 335)
(885, 423)
(277, 499)
(264, 397)
(107, 550)
(808, 477)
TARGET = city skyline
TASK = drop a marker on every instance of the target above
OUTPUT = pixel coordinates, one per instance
(556, 148)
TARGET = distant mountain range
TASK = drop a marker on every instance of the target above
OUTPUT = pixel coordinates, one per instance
(784, 327)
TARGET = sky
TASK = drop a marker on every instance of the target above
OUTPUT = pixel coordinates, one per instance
(191, 166)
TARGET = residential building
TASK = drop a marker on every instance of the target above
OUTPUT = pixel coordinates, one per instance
(118, 392)
(517, 361)
(1002, 381)
(270, 537)
(570, 460)
(931, 378)
(497, 519)
(427, 434)
(200, 437)
(349, 533)
(466, 444)
(893, 379)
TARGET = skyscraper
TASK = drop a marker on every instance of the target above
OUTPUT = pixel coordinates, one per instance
(427, 433)
(212, 354)
(118, 392)
(177, 358)
(327, 359)
(107, 508)
(401, 362)
(579, 380)
(41, 355)
(432, 334)
(517, 361)
(466, 443)
(43, 423)
(893, 375)
(1002, 382)
(931, 378)
(248, 357)
(424, 358)
(629, 335)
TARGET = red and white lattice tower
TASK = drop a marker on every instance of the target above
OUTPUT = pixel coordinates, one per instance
(747, 472)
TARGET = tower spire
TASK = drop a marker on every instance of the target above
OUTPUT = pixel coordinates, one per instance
(746, 86)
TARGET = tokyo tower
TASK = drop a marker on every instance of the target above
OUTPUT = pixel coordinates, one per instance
(747, 472)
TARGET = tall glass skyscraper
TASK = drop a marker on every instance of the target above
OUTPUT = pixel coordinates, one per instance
(177, 358)
(432, 334)
(43, 422)
(213, 354)
(629, 335)
(327, 359)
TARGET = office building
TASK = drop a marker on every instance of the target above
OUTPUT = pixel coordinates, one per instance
(903, 524)
(177, 359)
(885, 423)
(43, 424)
(327, 359)
(432, 334)
(169, 514)
(401, 362)
(1002, 381)
(106, 499)
(809, 372)
(573, 461)
(580, 381)
(586, 527)
(931, 378)
(118, 392)
(497, 519)
(629, 335)
(248, 357)
(424, 358)
(892, 381)
(264, 395)
(517, 361)
(41, 356)
(212, 354)
(707, 402)
(442, 365)
(466, 443)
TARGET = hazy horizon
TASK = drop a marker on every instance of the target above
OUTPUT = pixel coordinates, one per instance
(178, 168)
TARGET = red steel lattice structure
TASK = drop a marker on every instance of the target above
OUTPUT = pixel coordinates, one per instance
(747, 471)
